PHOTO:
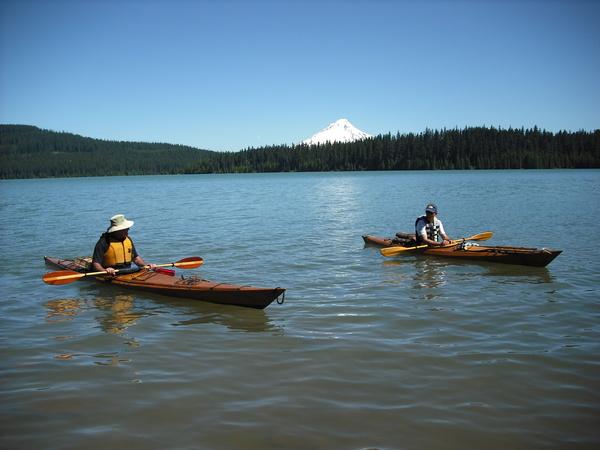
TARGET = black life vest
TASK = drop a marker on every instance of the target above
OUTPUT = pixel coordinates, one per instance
(432, 230)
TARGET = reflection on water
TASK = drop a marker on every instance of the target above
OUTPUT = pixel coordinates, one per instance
(62, 309)
(428, 278)
(533, 274)
(432, 270)
(252, 321)
(506, 273)
(195, 312)
(119, 313)
(118, 316)
(111, 359)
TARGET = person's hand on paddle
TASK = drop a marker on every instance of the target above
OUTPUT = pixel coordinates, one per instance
(141, 263)
(432, 243)
(109, 270)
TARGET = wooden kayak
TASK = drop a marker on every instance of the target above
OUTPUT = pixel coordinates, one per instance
(507, 255)
(191, 287)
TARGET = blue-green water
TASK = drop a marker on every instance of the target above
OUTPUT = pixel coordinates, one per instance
(366, 352)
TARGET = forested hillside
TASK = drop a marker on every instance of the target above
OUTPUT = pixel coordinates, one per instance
(27, 152)
(30, 152)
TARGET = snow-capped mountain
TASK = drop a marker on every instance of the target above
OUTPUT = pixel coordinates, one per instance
(339, 131)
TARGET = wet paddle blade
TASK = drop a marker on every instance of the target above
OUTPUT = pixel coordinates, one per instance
(189, 263)
(481, 236)
(186, 263)
(62, 277)
(393, 251)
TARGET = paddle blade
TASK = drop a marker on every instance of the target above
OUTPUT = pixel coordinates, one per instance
(481, 236)
(186, 263)
(62, 277)
(393, 251)
(189, 263)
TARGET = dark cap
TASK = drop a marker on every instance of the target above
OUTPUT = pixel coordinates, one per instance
(431, 208)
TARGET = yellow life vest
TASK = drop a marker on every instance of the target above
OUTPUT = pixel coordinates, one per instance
(118, 253)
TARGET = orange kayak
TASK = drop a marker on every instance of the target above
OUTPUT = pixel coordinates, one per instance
(190, 287)
(507, 255)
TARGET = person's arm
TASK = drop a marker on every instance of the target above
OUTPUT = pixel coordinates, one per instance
(138, 259)
(98, 268)
(141, 263)
(445, 237)
(429, 242)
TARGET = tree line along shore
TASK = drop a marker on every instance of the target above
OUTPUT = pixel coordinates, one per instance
(30, 152)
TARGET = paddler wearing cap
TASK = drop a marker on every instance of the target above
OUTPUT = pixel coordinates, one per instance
(115, 250)
(429, 229)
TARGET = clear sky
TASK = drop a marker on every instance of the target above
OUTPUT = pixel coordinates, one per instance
(227, 75)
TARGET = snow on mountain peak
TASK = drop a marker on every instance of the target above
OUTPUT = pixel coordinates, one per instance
(339, 131)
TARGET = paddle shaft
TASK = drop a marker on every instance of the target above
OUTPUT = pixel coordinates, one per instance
(173, 264)
(66, 276)
(392, 251)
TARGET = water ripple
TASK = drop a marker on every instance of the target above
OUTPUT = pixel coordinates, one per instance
(365, 353)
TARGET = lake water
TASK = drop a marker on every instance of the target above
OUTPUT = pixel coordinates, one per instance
(366, 352)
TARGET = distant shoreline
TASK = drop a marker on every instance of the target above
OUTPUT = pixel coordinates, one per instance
(30, 152)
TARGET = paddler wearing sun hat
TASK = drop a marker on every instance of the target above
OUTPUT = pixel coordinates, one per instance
(115, 250)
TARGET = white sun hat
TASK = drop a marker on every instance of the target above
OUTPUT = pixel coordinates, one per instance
(119, 222)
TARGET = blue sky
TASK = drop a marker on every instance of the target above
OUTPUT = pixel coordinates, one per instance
(227, 75)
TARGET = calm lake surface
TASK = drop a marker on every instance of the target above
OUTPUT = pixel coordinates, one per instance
(366, 352)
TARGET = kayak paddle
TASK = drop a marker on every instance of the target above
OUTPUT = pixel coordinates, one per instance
(393, 251)
(68, 276)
